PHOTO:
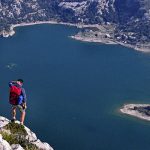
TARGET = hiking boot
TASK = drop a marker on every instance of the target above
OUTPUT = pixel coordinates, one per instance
(13, 120)
(21, 124)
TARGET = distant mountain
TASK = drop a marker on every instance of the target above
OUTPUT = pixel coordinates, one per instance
(130, 17)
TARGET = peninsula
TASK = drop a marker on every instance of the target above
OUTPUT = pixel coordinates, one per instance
(141, 111)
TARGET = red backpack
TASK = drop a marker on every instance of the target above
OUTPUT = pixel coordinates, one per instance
(14, 95)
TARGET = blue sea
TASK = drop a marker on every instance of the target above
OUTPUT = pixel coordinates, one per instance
(75, 89)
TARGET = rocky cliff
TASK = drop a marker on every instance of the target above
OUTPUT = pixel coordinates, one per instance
(14, 136)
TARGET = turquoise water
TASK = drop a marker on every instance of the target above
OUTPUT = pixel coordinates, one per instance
(75, 88)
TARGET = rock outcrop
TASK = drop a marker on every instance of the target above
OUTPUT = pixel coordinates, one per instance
(13, 132)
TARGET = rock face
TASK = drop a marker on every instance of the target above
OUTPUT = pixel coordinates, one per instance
(131, 18)
(4, 144)
(16, 147)
(30, 136)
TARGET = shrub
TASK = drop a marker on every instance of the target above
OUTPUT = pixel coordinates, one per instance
(17, 135)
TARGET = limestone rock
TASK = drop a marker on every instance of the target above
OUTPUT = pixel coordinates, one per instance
(16, 147)
(31, 137)
(3, 121)
(4, 145)
(42, 145)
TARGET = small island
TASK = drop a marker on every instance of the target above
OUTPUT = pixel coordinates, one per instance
(141, 111)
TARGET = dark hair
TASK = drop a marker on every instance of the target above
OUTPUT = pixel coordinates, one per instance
(20, 80)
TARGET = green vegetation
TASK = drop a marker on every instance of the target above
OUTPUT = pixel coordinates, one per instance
(17, 135)
(8, 137)
(16, 128)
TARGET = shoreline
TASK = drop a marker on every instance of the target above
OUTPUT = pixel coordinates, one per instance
(100, 40)
(13, 26)
(137, 48)
(111, 42)
(129, 110)
(79, 38)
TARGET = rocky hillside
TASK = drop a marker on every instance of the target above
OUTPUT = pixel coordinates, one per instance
(73, 11)
(14, 136)
(86, 11)
(134, 19)
(131, 18)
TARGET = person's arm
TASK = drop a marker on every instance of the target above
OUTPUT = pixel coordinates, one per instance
(12, 83)
(24, 104)
(24, 96)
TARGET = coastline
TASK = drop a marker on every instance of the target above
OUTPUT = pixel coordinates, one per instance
(100, 40)
(13, 26)
(139, 47)
(129, 110)
(136, 47)
(111, 42)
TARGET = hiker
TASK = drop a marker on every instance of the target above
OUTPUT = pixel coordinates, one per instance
(17, 99)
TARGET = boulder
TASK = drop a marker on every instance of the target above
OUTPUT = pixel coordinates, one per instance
(4, 145)
(16, 147)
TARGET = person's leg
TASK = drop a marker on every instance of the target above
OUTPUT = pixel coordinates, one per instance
(13, 113)
(22, 117)
(23, 113)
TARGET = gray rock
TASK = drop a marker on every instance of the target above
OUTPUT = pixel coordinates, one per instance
(16, 147)
(3, 121)
(42, 145)
(31, 137)
(4, 145)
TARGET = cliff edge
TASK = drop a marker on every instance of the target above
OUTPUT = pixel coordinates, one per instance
(14, 136)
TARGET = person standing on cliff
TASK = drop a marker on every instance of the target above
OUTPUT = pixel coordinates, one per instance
(17, 99)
